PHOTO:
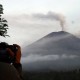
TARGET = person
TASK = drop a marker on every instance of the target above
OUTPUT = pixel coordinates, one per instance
(13, 57)
(5, 53)
(17, 64)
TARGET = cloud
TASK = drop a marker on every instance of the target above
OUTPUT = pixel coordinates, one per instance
(36, 57)
(49, 15)
(50, 62)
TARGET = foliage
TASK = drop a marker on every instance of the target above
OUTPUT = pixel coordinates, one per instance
(52, 75)
(3, 24)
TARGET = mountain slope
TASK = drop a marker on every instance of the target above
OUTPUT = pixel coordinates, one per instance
(55, 43)
(57, 51)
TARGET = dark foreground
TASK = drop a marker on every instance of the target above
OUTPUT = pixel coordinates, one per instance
(52, 75)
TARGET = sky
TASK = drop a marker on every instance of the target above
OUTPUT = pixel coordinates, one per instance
(29, 20)
(31, 6)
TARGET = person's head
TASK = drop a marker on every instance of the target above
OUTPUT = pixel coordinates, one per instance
(3, 45)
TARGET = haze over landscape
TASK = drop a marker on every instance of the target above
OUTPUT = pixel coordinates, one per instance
(36, 25)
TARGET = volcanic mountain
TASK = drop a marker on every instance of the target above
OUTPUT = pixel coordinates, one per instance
(55, 43)
(57, 50)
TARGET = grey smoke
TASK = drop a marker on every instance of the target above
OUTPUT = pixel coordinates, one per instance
(52, 16)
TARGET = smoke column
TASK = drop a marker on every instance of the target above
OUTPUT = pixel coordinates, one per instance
(52, 16)
(62, 21)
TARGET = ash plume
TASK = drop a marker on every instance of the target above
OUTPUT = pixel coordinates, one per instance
(52, 16)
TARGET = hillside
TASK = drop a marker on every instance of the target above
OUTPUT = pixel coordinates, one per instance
(55, 43)
(55, 51)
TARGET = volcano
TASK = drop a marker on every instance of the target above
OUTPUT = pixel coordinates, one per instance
(57, 50)
(55, 43)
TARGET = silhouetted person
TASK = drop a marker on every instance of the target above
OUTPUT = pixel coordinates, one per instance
(16, 62)
(11, 54)
(6, 53)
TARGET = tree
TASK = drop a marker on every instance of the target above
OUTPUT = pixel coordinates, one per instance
(3, 24)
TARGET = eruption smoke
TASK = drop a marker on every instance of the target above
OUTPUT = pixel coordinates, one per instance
(52, 16)
(58, 17)
(62, 22)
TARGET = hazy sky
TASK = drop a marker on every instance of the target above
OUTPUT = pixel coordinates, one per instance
(29, 20)
(30, 6)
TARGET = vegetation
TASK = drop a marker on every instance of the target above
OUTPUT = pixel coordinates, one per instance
(52, 75)
(3, 24)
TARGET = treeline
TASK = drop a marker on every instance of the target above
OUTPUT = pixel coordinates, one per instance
(52, 75)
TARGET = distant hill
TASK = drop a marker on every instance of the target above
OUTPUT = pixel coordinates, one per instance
(61, 48)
